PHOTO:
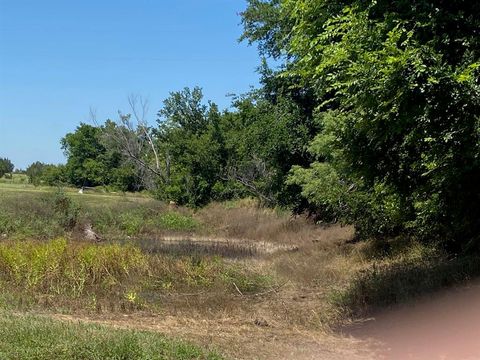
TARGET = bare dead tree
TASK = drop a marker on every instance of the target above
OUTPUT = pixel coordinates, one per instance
(138, 103)
(133, 138)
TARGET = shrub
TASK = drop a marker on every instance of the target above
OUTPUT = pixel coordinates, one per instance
(65, 209)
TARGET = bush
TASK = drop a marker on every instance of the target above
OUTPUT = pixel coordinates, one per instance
(28, 215)
(65, 209)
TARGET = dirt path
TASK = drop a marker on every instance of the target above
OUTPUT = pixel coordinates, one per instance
(442, 326)
(240, 339)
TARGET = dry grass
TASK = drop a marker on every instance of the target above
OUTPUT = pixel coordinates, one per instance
(234, 264)
(249, 221)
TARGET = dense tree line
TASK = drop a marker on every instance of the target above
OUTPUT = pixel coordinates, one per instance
(397, 96)
(370, 117)
(196, 153)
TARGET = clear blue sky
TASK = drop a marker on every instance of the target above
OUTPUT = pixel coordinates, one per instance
(58, 58)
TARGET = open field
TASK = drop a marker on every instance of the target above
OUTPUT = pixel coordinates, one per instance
(253, 283)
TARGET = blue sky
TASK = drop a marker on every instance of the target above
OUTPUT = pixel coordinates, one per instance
(59, 58)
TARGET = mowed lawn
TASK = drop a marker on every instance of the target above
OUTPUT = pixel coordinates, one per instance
(26, 337)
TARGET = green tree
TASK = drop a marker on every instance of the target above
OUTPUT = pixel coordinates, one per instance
(189, 133)
(91, 162)
(48, 174)
(34, 172)
(397, 102)
(84, 150)
(6, 166)
(54, 175)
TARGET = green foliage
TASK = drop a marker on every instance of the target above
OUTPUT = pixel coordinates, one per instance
(397, 104)
(65, 210)
(131, 222)
(37, 215)
(46, 174)
(188, 132)
(6, 166)
(34, 172)
(137, 221)
(176, 221)
(26, 337)
(259, 20)
(91, 162)
(83, 148)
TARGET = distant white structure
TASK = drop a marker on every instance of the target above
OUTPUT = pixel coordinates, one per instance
(80, 191)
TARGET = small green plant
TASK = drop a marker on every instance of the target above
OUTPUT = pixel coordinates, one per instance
(177, 221)
(132, 222)
(65, 209)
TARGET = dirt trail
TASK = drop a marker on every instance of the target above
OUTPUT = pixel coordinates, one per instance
(238, 339)
(442, 326)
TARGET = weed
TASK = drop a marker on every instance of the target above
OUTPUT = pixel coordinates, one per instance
(247, 282)
(55, 267)
(131, 222)
(65, 209)
(176, 221)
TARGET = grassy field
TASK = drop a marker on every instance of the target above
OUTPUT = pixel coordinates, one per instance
(229, 268)
(39, 338)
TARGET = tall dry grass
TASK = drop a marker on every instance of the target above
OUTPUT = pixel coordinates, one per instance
(113, 276)
(247, 220)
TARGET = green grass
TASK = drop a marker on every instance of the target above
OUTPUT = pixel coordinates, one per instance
(38, 338)
(176, 221)
(44, 213)
(57, 267)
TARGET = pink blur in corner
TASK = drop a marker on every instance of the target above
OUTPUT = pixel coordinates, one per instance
(443, 326)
